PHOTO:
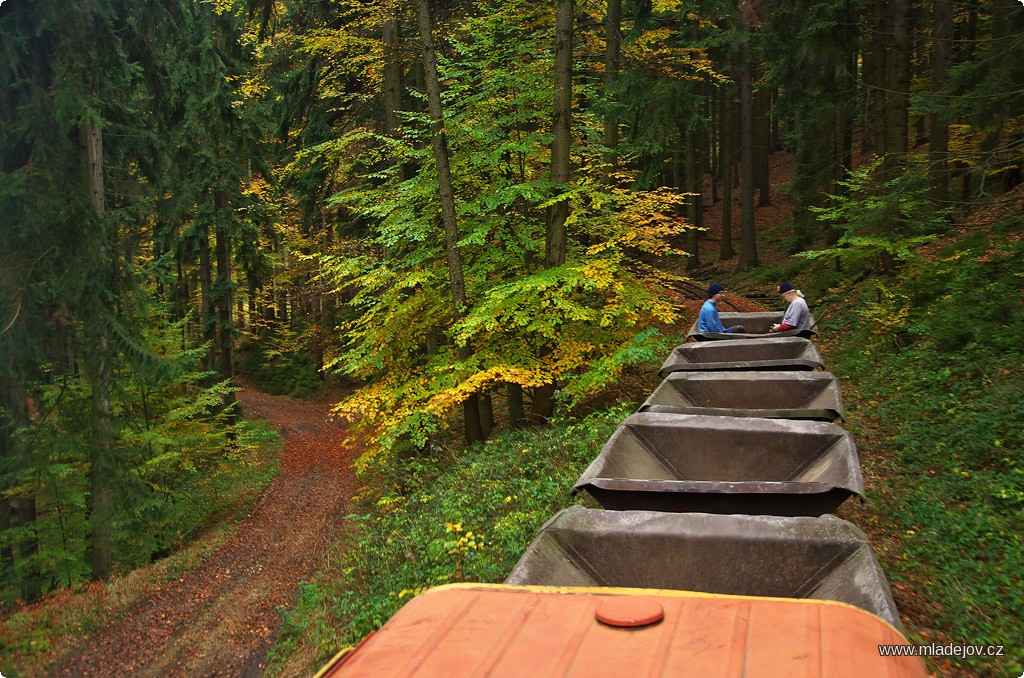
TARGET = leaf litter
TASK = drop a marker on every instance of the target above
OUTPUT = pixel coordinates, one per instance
(221, 618)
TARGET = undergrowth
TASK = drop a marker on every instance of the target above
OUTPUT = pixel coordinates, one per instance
(33, 636)
(463, 515)
(933, 357)
(281, 364)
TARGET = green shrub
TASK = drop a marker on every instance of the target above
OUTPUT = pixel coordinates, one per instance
(951, 411)
(281, 366)
(881, 216)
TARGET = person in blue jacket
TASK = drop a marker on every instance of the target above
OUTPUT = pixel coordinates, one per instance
(708, 320)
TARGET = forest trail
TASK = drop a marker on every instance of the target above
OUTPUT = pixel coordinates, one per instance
(221, 618)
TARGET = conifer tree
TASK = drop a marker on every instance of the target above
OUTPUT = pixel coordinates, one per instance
(748, 233)
(84, 158)
(938, 125)
(810, 51)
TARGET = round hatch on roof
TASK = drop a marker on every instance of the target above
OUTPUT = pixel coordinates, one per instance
(629, 611)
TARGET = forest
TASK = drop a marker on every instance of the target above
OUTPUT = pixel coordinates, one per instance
(479, 222)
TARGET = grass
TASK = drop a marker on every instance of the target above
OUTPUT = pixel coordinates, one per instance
(931, 368)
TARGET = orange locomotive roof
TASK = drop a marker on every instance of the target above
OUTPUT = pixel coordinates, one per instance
(496, 630)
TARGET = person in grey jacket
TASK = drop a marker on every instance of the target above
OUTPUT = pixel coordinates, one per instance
(797, 316)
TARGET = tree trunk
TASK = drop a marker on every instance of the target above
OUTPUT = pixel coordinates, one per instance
(938, 132)
(694, 205)
(225, 324)
(556, 241)
(446, 191)
(613, 47)
(473, 430)
(439, 142)
(100, 468)
(775, 123)
(392, 78)
(543, 405)
(903, 52)
(968, 41)
(100, 463)
(725, 163)
(393, 85)
(713, 110)
(486, 404)
(10, 421)
(873, 74)
(845, 114)
(762, 137)
(897, 79)
(748, 233)
(516, 411)
(254, 309)
(558, 213)
(207, 321)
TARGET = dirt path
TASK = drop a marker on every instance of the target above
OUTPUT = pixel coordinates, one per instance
(221, 618)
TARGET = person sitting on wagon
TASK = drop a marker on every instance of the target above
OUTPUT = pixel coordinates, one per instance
(797, 316)
(708, 320)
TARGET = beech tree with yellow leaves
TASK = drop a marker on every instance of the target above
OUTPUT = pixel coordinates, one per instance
(557, 295)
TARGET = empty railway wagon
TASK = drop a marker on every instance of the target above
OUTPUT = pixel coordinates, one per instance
(714, 553)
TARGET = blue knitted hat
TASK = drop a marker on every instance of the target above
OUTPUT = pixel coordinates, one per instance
(715, 289)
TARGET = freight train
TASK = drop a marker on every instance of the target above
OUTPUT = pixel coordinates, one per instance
(714, 554)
